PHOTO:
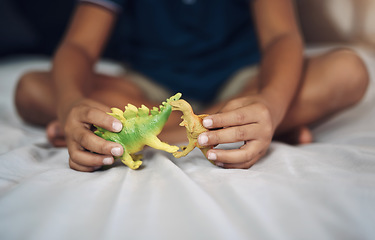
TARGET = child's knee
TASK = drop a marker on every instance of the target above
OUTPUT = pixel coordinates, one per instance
(22, 92)
(352, 73)
(27, 95)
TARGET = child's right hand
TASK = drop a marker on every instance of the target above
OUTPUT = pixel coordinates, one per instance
(88, 152)
(251, 119)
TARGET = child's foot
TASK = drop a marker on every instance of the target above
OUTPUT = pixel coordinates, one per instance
(55, 134)
(305, 136)
(301, 135)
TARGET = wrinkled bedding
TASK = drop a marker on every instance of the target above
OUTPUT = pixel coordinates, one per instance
(323, 190)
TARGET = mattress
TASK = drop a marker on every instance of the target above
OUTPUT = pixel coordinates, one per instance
(322, 190)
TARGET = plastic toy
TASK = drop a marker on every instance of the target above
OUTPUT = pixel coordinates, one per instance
(193, 125)
(140, 128)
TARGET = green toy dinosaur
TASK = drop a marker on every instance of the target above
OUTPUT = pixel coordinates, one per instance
(140, 128)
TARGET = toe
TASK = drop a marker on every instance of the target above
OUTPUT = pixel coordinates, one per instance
(300, 135)
(55, 134)
(305, 136)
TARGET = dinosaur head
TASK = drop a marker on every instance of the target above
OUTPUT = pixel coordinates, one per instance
(174, 97)
(181, 105)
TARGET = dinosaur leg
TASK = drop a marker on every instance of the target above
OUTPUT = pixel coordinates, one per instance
(155, 142)
(128, 161)
(136, 157)
(186, 150)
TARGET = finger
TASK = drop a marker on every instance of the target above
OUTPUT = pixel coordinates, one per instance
(229, 135)
(245, 165)
(99, 118)
(75, 166)
(88, 140)
(100, 106)
(236, 117)
(234, 104)
(88, 159)
(246, 155)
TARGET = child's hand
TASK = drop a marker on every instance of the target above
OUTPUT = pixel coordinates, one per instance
(247, 119)
(87, 151)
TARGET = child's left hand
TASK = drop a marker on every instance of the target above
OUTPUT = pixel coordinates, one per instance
(247, 119)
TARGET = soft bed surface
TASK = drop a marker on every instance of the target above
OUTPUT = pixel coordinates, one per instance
(324, 190)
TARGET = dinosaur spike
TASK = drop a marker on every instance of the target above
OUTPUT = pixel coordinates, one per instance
(143, 111)
(130, 111)
(116, 116)
(154, 111)
(117, 113)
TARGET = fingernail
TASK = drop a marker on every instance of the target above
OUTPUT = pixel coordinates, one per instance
(207, 122)
(116, 151)
(203, 139)
(211, 156)
(117, 126)
(108, 161)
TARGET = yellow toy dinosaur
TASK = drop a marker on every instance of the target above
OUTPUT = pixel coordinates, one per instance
(194, 128)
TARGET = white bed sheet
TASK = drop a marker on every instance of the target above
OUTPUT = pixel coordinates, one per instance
(324, 190)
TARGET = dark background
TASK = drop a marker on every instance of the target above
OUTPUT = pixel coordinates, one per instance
(36, 26)
(33, 26)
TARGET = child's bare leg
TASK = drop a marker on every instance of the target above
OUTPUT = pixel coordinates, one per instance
(36, 103)
(34, 98)
(331, 82)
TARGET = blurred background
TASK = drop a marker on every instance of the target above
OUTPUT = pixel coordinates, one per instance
(35, 27)
(32, 26)
(337, 21)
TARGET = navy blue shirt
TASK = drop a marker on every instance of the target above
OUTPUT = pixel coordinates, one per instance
(188, 46)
